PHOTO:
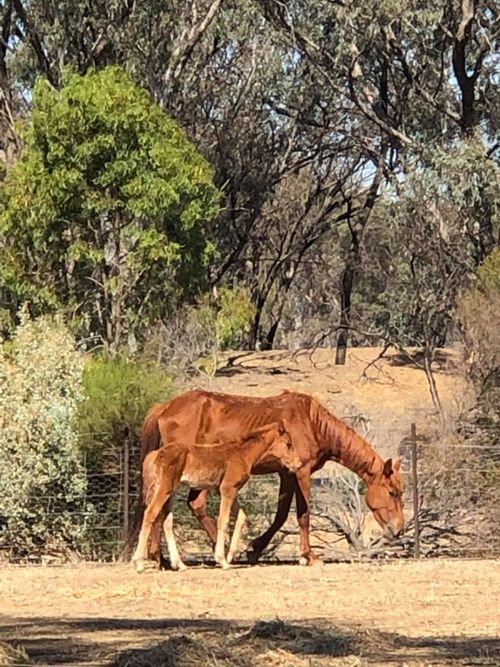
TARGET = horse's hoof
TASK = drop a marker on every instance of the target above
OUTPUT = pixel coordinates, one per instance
(223, 563)
(180, 566)
(253, 556)
(308, 560)
(139, 566)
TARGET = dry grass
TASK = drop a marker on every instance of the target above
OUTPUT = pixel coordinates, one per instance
(345, 615)
(10, 654)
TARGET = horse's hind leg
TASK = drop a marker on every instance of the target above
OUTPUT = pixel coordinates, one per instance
(159, 498)
(287, 489)
(176, 561)
(238, 527)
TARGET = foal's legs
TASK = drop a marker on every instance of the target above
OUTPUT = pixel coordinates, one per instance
(228, 497)
(176, 562)
(166, 483)
(160, 497)
(238, 527)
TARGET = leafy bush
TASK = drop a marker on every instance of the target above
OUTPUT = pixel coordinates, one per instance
(42, 479)
(191, 341)
(118, 393)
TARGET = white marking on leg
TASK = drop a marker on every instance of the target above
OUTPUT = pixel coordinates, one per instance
(222, 524)
(168, 527)
(238, 527)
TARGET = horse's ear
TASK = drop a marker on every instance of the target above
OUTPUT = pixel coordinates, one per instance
(388, 469)
(397, 465)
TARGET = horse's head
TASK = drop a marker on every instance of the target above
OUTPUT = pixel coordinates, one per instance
(385, 499)
(282, 448)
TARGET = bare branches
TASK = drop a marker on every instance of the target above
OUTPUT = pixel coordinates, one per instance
(35, 40)
(189, 39)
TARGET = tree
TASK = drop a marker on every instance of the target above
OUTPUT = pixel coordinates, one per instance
(105, 213)
(429, 246)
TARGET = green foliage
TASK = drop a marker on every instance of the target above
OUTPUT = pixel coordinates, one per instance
(42, 480)
(105, 213)
(488, 274)
(118, 393)
(221, 321)
(225, 316)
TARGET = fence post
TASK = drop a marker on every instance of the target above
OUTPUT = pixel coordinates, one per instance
(126, 485)
(414, 470)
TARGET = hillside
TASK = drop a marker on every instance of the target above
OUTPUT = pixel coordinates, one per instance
(380, 400)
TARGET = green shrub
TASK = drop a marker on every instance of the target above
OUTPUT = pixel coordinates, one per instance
(118, 393)
(42, 479)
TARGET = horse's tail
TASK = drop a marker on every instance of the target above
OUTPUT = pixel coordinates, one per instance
(150, 440)
(150, 434)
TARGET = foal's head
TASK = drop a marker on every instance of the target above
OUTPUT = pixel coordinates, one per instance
(281, 447)
(385, 498)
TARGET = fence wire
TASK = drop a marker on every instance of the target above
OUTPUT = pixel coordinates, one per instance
(458, 501)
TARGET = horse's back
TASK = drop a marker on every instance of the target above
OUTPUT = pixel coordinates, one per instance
(203, 416)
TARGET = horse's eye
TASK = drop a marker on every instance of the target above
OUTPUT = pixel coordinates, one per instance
(394, 494)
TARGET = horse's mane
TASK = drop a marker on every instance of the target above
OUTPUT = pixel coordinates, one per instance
(346, 446)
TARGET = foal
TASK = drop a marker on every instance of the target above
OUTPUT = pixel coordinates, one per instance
(224, 466)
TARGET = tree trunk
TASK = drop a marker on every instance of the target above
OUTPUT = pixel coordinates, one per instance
(346, 288)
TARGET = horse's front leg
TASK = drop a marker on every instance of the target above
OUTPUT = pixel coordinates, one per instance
(227, 498)
(303, 499)
(287, 489)
(240, 520)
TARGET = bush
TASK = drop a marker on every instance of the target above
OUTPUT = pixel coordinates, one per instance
(191, 341)
(42, 479)
(118, 393)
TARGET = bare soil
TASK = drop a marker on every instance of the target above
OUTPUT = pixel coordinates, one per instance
(379, 396)
(439, 612)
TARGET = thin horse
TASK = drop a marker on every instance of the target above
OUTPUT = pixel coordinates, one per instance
(317, 435)
(227, 466)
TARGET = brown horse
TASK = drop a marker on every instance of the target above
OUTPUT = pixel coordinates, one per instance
(226, 466)
(318, 436)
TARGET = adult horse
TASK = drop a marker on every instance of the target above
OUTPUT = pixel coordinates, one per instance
(318, 436)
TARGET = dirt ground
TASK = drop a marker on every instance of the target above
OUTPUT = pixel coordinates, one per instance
(438, 612)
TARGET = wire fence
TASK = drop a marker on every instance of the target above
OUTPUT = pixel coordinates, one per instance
(451, 505)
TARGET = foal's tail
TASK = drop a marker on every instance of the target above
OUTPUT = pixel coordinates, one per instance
(150, 440)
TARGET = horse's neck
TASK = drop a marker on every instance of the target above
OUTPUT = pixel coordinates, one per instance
(256, 449)
(348, 448)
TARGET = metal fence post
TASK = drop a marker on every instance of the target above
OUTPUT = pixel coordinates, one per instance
(414, 470)
(126, 485)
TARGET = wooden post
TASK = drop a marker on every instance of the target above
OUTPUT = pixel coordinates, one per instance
(414, 470)
(126, 486)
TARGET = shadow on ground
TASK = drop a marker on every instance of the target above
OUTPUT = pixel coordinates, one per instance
(126, 642)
